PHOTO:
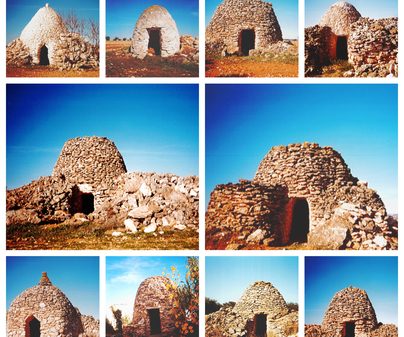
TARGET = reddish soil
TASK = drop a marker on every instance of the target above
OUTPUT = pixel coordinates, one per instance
(237, 67)
(120, 63)
(47, 71)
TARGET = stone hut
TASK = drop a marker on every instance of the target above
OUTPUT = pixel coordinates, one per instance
(155, 29)
(151, 311)
(260, 311)
(44, 310)
(349, 314)
(46, 41)
(371, 46)
(300, 193)
(238, 26)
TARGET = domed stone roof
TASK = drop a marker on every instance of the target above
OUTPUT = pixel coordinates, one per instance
(45, 308)
(155, 29)
(339, 16)
(350, 306)
(89, 160)
(44, 29)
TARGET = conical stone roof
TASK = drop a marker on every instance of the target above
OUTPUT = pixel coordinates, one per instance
(339, 16)
(155, 18)
(44, 28)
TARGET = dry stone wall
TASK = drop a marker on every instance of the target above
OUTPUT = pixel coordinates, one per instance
(155, 29)
(343, 212)
(231, 17)
(54, 312)
(317, 49)
(260, 300)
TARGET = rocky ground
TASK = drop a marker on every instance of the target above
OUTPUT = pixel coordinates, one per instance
(48, 71)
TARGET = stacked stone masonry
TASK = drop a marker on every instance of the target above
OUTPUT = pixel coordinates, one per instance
(52, 311)
(260, 310)
(93, 169)
(47, 41)
(224, 34)
(342, 211)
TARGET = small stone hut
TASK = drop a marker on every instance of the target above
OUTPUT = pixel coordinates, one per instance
(349, 314)
(44, 310)
(238, 26)
(300, 193)
(155, 29)
(151, 311)
(47, 41)
(260, 311)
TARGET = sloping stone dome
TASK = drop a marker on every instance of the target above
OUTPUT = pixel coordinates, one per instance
(155, 29)
(339, 16)
(89, 160)
(235, 21)
(261, 298)
(44, 29)
(45, 309)
(151, 311)
(349, 310)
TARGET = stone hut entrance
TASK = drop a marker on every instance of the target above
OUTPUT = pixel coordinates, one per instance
(43, 56)
(155, 323)
(155, 40)
(246, 41)
(87, 203)
(260, 324)
(342, 48)
(349, 329)
(32, 327)
(81, 201)
(300, 221)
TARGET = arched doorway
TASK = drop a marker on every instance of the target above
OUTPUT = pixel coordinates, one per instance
(247, 41)
(155, 324)
(43, 56)
(342, 48)
(32, 327)
(260, 325)
(300, 221)
(155, 40)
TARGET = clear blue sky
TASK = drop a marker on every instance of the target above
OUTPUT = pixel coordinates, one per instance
(20, 12)
(243, 123)
(325, 276)
(375, 9)
(122, 15)
(227, 277)
(76, 277)
(286, 12)
(155, 127)
(125, 274)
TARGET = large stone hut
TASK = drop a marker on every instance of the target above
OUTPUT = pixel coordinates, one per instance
(152, 309)
(46, 41)
(260, 311)
(90, 182)
(349, 314)
(44, 310)
(300, 193)
(371, 46)
(155, 29)
(238, 26)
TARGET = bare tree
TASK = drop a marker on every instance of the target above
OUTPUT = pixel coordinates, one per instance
(94, 32)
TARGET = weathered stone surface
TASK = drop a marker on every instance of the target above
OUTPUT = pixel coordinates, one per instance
(259, 299)
(155, 21)
(231, 17)
(55, 313)
(343, 213)
(339, 17)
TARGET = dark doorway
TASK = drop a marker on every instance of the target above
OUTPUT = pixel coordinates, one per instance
(342, 48)
(43, 56)
(34, 328)
(155, 40)
(300, 222)
(247, 41)
(350, 329)
(155, 325)
(87, 203)
(260, 325)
